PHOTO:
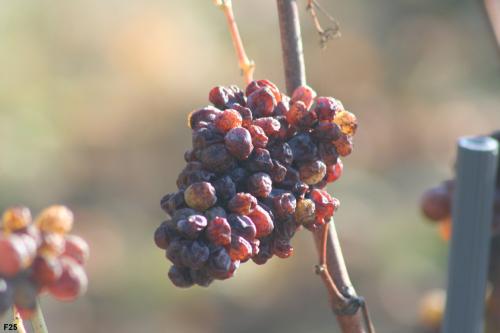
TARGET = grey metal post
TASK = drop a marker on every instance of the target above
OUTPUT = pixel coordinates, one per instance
(470, 243)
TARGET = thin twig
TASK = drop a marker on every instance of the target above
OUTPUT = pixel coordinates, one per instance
(18, 321)
(324, 34)
(38, 321)
(337, 299)
(336, 266)
(247, 66)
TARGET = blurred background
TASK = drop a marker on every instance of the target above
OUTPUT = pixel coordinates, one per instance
(93, 103)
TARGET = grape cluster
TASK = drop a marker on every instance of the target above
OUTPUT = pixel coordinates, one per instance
(436, 203)
(257, 170)
(40, 256)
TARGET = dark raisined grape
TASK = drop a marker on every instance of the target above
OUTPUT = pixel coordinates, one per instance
(200, 196)
(242, 203)
(255, 85)
(326, 132)
(343, 145)
(282, 152)
(214, 212)
(328, 153)
(201, 277)
(262, 221)
(240, 249)
(334, 171)
(259, 137)
(278, 172)
(304, 94)
(269, 125)
(262, 102)
(172, 202)
(259, 160)
(180, 276)
(218, 231)
(216, 158)
(206, 136)
(312, 172)
(174, 252)
(327, 107)
(246, 114)
(239, 142)
(227, 120)
(225, 189)
(164, 235)
(242, 225)
(303, 148)
(222, 97)
(284, 204)
(203, 117)
(195, 255)
(260, 184)
(192, 226)
(219, 264)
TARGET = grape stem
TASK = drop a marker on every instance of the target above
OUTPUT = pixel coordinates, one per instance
(345, 303)
(247, 66)
(38, 321)
(17, 320)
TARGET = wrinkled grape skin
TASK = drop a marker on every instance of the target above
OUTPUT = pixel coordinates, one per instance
(219, 231)
(239, 142)
(217, 158)
(242, 203)
(260, 185)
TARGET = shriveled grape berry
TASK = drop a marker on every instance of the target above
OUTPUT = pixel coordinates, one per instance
(239, 142)
(242, 225)
(347, 122)
(201, 277)
(219, 231)
(228, 120)
(192, 226)
(203, 117)
(262, 221)
(242, 203)
(262, 102)
(217, 158)
(269, 125)
(240, 249)
(259, 137)
(333, 172)
(225, 189)
(16, 218)
(344, 145)
(260, 184)
(195, 255)
(180, 276)
(200, 196)
(326, 108)
(312, 172)
(305, 94)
